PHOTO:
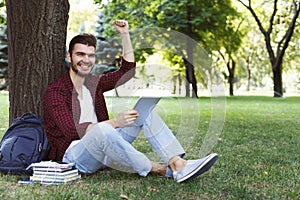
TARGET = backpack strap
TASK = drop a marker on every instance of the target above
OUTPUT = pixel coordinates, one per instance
(27, 114)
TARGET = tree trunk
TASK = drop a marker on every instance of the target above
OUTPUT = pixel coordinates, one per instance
(174, 79)
(190, 72)
(231, 70)
(249, 75)
(277, 80)
(36, 41)
(179, 83)
(190, 79)
(187, 88)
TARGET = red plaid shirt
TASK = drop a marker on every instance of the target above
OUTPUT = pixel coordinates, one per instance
(62, 107)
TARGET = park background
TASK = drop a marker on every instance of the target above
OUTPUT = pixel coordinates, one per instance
(228, 32)
(259, 141)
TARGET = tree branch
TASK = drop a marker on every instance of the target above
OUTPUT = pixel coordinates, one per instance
(249, 7)
(272, 18)
(261, 28)
(288, 35)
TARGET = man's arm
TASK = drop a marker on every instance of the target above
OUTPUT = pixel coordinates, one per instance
(122, 27)
(114, 79)
(127, 47)
(123, 119)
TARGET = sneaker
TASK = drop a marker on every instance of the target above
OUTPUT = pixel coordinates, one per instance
(195, 168)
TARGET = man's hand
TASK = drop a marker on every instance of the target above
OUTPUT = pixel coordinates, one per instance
(125, 118)
(121, 26)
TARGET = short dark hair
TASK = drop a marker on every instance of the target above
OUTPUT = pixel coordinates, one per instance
(84, 38)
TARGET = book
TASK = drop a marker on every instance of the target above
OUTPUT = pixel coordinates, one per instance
(54, 180)
(49, 181)
(49, 172)
(55, 174)
(51, 166)
(26, 180)
(49, 169)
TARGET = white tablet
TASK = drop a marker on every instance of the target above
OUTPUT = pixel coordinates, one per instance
(144, 107)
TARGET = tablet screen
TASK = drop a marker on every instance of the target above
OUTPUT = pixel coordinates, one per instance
(144, 106)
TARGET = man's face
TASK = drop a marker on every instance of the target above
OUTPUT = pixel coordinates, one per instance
(82, 59)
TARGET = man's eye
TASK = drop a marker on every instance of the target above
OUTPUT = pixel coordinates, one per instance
(80, 54)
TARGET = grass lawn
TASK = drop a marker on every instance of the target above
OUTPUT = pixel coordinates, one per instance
(258, 156)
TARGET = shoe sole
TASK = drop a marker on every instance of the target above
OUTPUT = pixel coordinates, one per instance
(206, 165)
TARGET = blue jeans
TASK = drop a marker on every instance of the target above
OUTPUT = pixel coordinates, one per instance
(104, 146)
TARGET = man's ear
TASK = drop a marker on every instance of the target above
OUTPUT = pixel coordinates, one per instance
(69, 57)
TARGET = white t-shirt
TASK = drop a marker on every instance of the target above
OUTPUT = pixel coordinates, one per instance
(87, 107)
(87, 110)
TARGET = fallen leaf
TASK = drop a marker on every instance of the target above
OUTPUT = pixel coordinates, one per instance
(123, 196)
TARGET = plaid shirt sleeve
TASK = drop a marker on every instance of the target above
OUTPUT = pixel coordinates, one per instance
(108, 82)
(114, 79)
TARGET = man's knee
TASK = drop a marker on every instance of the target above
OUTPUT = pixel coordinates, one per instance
(101, 129)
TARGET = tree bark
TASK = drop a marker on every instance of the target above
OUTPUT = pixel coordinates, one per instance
(231, 69)
(249, 75)
(36, 40)
(190, 72)
(277, 79)
(230, 64)
(191, 79)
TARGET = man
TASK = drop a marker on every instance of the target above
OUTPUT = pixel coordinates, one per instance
(79, 130)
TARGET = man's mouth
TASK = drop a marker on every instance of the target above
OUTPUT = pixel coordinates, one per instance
(84, 66)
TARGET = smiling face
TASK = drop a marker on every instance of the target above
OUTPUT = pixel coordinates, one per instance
(82, 59)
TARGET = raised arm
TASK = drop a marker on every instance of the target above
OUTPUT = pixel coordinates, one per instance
(122, 27)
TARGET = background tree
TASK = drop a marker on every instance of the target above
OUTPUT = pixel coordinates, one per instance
(199, 20)
(82, 18)
(228, 47)
(3, 48)
(108, 52)
(2, 17)
(177, 69)
(3, 58)
(37, 37)
(36, 49)
(276, 40)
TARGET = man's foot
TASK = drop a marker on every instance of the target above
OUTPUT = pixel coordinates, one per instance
(159, 168)
(194, 168)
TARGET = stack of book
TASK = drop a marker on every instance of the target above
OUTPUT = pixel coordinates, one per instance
(48, 172)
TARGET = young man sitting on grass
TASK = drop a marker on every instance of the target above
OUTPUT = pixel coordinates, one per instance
(80, 131)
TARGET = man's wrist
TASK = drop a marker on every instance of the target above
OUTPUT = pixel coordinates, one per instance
(114, 122)
(124, 34)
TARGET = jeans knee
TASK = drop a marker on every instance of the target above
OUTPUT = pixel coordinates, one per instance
(102, 129)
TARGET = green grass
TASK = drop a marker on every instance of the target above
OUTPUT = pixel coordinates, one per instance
(258, 156)
(4, 112)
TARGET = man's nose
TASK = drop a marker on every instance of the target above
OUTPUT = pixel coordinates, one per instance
(86, 58)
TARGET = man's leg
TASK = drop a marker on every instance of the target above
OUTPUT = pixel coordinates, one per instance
(103, 146)
(158, 135)
(161, 138)
(170, 150)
